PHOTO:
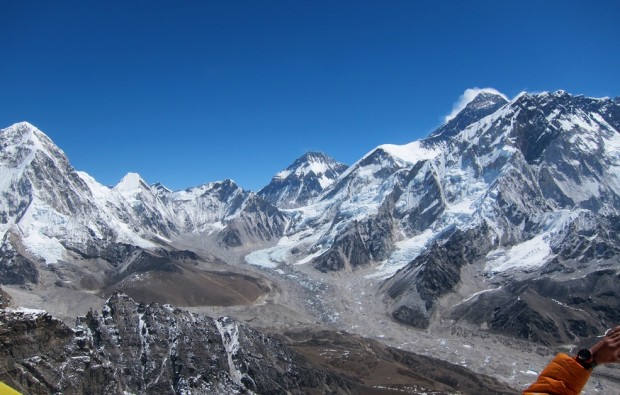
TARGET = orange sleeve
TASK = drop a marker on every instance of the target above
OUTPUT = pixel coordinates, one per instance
(562, 376)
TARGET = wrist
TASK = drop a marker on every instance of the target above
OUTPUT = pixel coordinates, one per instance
(586, 359)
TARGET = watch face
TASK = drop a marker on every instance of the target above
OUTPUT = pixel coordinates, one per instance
(584, 355)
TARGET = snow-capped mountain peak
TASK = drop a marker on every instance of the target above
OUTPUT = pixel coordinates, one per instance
(476, 98)
(21, 141)
(311, 162)
(131, 184)
(302, 181)
(474, 105)
(160, 188)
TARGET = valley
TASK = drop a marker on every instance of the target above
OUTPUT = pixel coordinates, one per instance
(490, 245)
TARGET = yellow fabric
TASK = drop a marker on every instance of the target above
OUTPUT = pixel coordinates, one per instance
(6, 390)
(563, 376)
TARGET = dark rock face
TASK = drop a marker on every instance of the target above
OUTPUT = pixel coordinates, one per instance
(114, 253)
(361, 244)
(483, 104)
(34, 346)
(415, 288)
(549, 311)
(590, 237)
(5, 299)
(15, 268)
(431, 203)
(257, 223)
(145, 349)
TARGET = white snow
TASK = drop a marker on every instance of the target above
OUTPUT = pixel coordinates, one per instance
(317, 167)
(476, 294)
(410, 153)
(131, 184)
(44, 247)
(325, 181)
(405, 252)
(229, 331)
(533, 253)
(612, 144)
(272, 257)
(530, 254)
(26, 310)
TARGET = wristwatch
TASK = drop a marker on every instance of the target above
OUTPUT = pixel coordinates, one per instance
(585, 358)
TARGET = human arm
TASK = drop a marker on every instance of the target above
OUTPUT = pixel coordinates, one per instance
(566, 376)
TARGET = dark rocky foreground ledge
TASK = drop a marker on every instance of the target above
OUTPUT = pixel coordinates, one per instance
(159, 349)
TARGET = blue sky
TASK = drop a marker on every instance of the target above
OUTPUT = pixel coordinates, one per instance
(189, 92)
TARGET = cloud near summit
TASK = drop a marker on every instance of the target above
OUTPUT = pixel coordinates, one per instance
(467, 97)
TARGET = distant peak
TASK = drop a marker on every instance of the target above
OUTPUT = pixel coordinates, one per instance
(227, 183)
(131, 182)
(160, 187)
(311, 157)
(22, 125)
(315, 162)
(21, 128)
(475, 96)
(313, 154)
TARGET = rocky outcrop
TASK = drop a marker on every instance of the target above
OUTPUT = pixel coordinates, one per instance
(159, 349)
(14, 267)
(257, 223)
(415, 288)
(145, 349)
(5, 299)
(362, 243)
(549, 311)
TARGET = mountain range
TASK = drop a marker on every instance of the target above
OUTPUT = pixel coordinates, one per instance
(505, 220)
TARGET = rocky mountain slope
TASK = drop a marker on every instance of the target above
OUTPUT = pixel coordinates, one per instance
(144, 349)
(52, 213)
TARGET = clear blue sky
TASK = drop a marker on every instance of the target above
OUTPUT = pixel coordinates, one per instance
(188, 92)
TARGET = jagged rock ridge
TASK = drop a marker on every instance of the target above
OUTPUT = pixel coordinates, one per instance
(150, 348)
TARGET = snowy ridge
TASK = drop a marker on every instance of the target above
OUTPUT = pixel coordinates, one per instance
(57, 211)
(412, 152)
(229, 330)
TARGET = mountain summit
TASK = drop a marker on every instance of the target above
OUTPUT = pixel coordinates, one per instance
(470, 110)
(302, 181)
